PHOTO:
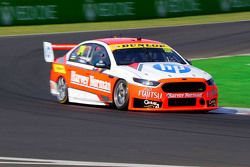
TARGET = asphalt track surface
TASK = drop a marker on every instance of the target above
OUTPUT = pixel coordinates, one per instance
(34, 125)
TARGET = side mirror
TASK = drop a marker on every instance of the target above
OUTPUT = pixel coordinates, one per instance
(101, 64)
(189, 62)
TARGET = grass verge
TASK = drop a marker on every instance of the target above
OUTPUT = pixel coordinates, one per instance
(189, 20)
(232, 76)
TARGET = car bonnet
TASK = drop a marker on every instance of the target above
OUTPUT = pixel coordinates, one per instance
(164, 70)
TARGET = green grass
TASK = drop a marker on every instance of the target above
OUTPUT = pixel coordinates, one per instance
(190, 20)
(232, 76)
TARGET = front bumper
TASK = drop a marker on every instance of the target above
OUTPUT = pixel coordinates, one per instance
(156, 99)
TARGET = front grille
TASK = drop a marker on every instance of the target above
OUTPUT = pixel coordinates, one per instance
(181, 102)
(184, 87)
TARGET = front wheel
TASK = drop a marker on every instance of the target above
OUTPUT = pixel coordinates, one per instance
(121, 97)
(62, 90)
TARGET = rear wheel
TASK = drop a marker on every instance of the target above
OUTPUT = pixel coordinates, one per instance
(121, 97)
(62, 95)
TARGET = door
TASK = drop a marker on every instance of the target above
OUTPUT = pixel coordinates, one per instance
(89, 81)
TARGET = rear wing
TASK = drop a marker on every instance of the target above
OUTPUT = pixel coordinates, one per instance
(49, 48)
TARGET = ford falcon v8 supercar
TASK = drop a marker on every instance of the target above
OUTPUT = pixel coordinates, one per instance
(129, 73)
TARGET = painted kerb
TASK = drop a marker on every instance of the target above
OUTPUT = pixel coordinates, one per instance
(30, 12)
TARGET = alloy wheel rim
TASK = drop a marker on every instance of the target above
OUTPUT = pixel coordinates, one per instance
(121, 94)
(61, 87)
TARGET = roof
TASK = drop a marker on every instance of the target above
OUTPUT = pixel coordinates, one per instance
(111, 41)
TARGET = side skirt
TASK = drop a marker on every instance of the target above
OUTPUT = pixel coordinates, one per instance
(83, 97)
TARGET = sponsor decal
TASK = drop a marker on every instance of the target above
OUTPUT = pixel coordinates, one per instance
(104, 85)
(228, 5)
(79, 79)
(184, 95)
(145, 103)
(225, 5)
(211, 103)
(10, 13)
(165, 7)
(59, 68)
(90, 82)
(139, 45)
(149, 94)
(93, 10)
(48, 52)
(172, 68)
(151, 104)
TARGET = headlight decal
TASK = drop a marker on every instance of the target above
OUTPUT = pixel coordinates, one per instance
(146, 82)
(140, 67)
(210, 82)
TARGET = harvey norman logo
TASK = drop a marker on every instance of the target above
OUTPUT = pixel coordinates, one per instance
(90, 81)
(184, 95)
(9, 13)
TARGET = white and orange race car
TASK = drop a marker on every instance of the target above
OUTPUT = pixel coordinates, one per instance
(129, 73)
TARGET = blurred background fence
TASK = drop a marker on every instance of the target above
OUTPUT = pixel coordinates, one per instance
(30, 12)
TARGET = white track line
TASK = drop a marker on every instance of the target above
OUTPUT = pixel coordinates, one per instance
(218, 57)
(120, 29)
(232, 110)
(33, 161)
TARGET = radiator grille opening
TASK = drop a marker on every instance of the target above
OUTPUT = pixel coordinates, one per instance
(184, 87)
(182, 102)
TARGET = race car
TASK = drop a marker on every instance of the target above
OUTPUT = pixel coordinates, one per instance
(130, 74)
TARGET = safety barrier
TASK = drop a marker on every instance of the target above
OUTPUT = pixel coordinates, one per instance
(30, 12)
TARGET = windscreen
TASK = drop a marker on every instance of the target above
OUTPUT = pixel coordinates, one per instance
(140, 55)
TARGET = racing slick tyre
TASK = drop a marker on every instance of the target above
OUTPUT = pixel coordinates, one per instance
(121, 97)
(62, 89)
